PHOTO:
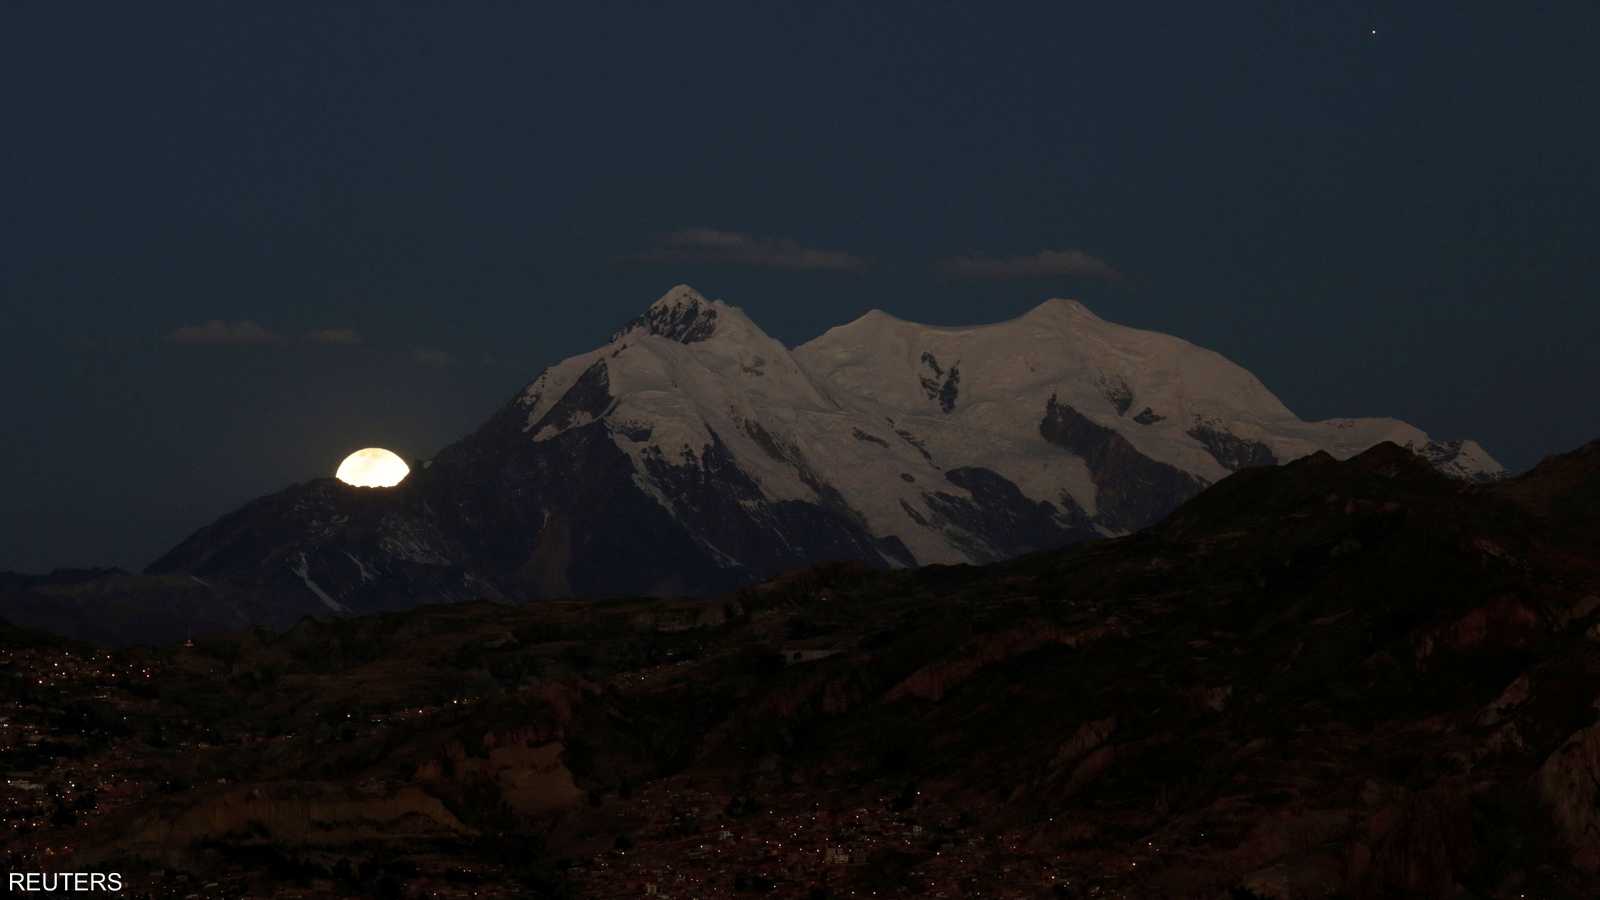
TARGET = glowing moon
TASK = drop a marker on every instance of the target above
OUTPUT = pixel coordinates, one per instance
(372, 467)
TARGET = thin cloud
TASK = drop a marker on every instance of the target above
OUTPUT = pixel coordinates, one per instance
(1044, 264)
(428, 356)
(334, 336)
(734, 248)
(218, 332)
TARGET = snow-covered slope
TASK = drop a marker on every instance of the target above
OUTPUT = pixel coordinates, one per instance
(879, 412)
(693, 452)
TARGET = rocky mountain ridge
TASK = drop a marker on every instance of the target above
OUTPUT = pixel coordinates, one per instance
(1331, 678)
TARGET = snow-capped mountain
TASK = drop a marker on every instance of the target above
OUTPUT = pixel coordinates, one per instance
(693, 452)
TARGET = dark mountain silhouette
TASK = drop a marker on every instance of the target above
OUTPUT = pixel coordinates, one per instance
(1329, 678)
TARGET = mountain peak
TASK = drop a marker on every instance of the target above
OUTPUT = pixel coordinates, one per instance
(679, 295)
(682, 314)
(1059, 306)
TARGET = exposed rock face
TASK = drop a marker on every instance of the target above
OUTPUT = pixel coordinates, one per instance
(1132, 489)
(1569, 785)
(1012, 523)
(932, 682)
(682, 315)
(291, 813)
(1417, 847)
(588, 399)
(1232, 451)
(1460, 459)
(940, 385)
(527, 772)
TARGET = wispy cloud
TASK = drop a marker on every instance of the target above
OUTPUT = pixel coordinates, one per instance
(216, 331)
(1044, 264)
(735, 248)
(334, 336)
(428, 356)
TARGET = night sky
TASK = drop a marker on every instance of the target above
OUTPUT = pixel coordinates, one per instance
(236, 244)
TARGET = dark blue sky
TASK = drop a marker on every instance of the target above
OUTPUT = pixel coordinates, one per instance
(1394, 224)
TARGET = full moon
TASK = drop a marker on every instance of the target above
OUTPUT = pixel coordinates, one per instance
(372, 467)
